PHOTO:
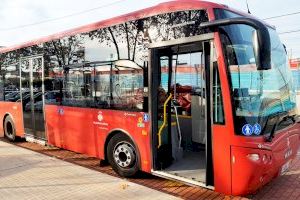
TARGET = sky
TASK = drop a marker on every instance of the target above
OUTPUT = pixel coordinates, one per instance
(18, 16)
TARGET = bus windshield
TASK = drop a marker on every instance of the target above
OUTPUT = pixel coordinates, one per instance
(257, 94)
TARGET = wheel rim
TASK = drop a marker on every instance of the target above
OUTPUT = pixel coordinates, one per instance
(9, 129)
(124, 154)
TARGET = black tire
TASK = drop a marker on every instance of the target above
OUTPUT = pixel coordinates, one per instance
(122, 155)
(9, 129)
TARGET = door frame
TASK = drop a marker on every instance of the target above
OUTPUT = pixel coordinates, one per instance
(153, 83)
(30, 59)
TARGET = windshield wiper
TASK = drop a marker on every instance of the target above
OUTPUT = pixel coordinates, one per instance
(271, 116)
(297, 118)
(279, 120)
(291, 117)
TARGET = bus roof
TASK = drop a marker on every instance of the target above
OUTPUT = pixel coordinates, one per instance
(166, 7)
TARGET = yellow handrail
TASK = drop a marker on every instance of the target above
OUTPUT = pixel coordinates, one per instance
(165, 120)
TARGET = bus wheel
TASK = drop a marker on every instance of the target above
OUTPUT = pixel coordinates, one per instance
(9, 128)
(122, 155)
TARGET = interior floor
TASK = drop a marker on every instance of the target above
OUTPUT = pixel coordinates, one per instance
(192, 166)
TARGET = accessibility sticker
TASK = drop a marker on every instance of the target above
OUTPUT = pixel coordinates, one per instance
(247, 129)
(146, 117)
(256, 129)
(60, 111)
(140, 123)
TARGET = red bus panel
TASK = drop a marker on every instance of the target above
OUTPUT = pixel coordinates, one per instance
(85, 130)
(254, 167)
(14, 109)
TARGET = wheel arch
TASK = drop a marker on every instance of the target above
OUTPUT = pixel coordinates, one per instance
(5, 116)
(12, 136)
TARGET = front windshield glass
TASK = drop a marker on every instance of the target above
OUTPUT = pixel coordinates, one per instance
(257, 95)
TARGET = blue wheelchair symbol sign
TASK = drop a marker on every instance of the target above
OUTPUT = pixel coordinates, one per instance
(256, 129)
(247, 129)
(146, 117)
(60, 111)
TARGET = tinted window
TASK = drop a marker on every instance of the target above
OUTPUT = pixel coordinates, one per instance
(127, 87)
(77, 86)
(72, 77)
(218, 110)
(258, 96)
(10, 77)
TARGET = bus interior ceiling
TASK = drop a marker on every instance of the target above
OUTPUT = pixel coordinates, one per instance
(186, 112)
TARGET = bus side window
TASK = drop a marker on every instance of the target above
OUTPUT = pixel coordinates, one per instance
(127, 88)
(218, 110)
(78, 87)
(101, 91)
(11, 83)
(1, 87)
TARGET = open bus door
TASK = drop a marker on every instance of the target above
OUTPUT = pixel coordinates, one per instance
(181, 111)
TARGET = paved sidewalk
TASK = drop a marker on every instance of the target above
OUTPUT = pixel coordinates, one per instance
(171, 187)
(25, 174)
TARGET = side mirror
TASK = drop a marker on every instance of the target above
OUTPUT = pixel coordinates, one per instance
(255, 46)
(261, 39)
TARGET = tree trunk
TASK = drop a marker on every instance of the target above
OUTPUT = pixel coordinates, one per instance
(115, 42)
(134, 47)
(127, 38)
(61, 62)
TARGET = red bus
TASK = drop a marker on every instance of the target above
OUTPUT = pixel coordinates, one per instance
(189, 90)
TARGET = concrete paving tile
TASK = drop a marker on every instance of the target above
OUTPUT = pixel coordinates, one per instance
(29, 175)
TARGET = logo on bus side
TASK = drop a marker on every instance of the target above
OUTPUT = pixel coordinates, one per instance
(99, 121)
(100, 117)
(289, 151)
